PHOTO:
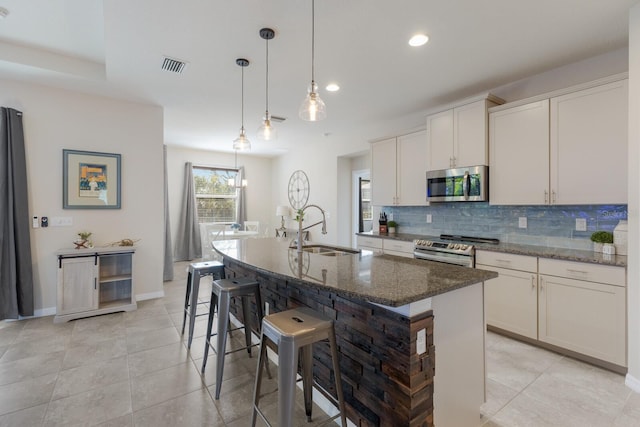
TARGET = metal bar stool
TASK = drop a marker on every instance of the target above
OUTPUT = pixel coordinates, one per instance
(197, 270)
(294, 331)
(221, 293)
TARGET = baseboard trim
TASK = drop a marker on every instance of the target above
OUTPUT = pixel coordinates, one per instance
(150, 295)
(632, 382)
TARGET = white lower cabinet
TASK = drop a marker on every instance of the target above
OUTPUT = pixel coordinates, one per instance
(512, 297)
(380, 245)
(572, 305)
(94, 281)
(372, 244)
(580, 315)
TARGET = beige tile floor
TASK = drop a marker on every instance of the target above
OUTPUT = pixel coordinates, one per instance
(127, 369)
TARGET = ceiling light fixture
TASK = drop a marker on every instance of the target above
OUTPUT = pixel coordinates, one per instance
(233, 182)
(3, 13)
(266, 131)
(418, 40)
(242, 143)
(312, 108)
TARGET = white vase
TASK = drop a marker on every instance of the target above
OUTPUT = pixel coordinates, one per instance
(392, 230)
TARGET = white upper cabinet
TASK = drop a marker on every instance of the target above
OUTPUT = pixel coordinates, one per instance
(458, 137)
(569, 149)
(519, 146)
(383, 172)
(398, 167)
(589, 145)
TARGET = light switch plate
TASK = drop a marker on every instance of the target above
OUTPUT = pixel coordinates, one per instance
(61, 221)
(581, 224)
(522, 222)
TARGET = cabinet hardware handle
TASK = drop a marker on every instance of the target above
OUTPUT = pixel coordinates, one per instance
(541, 285)
(95, 283)
(546, 196)
(503, 260)
(577, 271)
(533, 282)
(553, 197)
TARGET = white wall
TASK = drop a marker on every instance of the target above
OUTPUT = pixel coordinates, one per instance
(55, 119)
(633, 269)
(258, 173)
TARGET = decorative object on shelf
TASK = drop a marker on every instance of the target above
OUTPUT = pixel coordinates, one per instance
(266, 131)
(235, 226)
(124, 242)
(283, 211)
(599, 238)
(312, 108)
(298, 190)
(90, 180)
(242, 142)
(391, 227)
(83, 242)
(620, 237)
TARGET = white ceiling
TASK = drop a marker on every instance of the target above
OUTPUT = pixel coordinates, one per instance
(116, 47)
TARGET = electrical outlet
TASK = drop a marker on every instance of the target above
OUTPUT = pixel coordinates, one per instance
(522, 222)
(581, 224)
(429, 218)
(390, 218)
(421, 341)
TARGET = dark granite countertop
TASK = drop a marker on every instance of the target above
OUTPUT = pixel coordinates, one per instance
(531, 250)
(383, 279)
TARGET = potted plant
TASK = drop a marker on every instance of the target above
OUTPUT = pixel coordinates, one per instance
(600, 238)
(391, 227)
(83, 240)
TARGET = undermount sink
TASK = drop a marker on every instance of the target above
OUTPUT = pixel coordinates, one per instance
(328, 250)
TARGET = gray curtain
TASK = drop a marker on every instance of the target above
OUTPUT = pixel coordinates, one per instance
(167, 273)
(16, 275)
(241, 207)
(188, 244)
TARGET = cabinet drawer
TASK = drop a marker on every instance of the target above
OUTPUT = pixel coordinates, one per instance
(370, 242)
(510, 261)
(391, 245)
(584, 271)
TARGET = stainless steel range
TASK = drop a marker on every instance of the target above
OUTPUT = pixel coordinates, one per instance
(450, 249)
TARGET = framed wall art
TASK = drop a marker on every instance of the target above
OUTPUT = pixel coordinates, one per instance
(90, 180)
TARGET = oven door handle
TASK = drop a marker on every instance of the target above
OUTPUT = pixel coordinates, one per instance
(465, 185)
(456, 260)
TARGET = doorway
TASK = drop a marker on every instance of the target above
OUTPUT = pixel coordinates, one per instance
(362, 209)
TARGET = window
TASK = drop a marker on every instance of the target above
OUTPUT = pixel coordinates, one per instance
(216, 200)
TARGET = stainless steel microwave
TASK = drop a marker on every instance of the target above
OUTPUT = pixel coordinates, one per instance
(468, 184)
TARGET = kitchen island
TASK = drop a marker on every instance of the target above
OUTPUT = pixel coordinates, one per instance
(392, 316)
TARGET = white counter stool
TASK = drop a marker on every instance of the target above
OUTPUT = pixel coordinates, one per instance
(221, 293)
(294, 331)
(195, 271)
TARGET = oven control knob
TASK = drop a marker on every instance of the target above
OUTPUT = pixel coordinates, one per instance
(450, 246)
(464, 247)
(420, 242)
(457, 246)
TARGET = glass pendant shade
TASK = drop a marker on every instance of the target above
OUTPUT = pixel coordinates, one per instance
(312, 108)
(242, 143)
(266, 132)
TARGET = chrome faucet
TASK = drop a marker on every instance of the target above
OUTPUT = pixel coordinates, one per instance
(300, 229)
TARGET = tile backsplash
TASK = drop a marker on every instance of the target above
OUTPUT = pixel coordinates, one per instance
(546, 225)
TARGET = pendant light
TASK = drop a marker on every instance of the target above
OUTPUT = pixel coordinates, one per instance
(312, 108)
(242, 143)
(266, 131)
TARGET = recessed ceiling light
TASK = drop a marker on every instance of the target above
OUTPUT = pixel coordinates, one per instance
(332, 87)
(418, 40)
(3, 13)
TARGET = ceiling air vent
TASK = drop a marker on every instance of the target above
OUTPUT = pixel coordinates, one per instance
(173, 65)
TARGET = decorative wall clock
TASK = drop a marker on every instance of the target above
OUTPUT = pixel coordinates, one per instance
(298, 190)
